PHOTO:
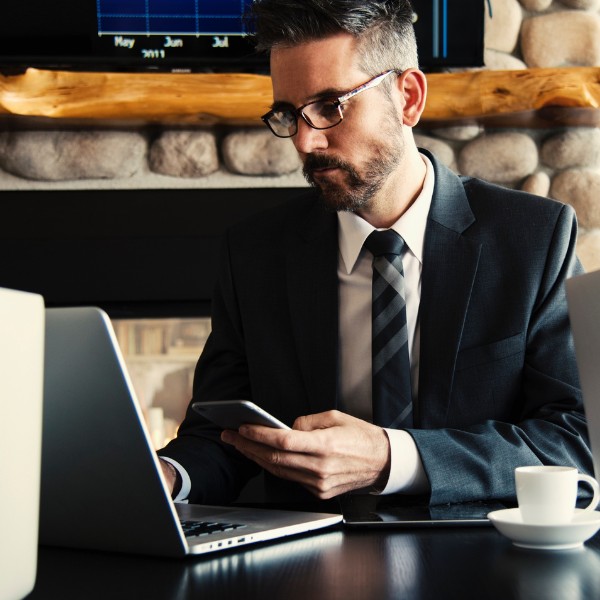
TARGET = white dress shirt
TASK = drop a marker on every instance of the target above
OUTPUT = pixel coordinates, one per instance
(355, 277)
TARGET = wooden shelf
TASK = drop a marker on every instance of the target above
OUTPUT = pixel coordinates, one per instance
(537, 97)
(529, 97)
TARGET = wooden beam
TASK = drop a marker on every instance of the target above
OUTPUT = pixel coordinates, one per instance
(483, 94)
(242, 98)
(185, 98)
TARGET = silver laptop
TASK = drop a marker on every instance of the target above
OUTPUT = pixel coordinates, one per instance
(583, 296)
(21, 392)
(102, 486)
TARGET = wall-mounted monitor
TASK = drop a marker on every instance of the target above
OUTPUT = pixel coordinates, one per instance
(449, 33)
(192, 35)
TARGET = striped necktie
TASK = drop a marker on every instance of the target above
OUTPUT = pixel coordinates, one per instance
(392, 395)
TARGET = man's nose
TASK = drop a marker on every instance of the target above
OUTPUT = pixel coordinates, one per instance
(308, 139)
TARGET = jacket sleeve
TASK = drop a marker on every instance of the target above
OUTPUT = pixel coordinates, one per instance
(546, 424)
(217, 471)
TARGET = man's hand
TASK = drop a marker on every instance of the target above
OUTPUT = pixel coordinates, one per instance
(328, 453)
(170, 474)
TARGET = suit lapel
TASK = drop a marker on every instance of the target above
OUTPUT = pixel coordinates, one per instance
(313, 298)
(449, 266)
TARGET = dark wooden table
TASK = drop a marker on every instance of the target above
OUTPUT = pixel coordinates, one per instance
(461, 563)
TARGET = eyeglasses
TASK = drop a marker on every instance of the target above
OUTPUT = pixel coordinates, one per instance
(319, 114)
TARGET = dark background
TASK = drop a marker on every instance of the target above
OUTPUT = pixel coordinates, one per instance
(134, 253)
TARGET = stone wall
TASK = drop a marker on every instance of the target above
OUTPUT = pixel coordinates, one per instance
(562, 163)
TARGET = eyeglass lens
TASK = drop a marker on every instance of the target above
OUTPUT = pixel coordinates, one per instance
(321, 114)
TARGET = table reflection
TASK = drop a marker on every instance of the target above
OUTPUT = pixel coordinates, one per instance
(539, 575)
(381, 563)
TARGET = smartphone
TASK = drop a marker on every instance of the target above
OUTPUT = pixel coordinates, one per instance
(230, 414)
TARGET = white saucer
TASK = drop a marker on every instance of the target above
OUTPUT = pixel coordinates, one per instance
(546, 537)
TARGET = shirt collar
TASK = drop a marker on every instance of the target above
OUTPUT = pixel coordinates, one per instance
(354, 230)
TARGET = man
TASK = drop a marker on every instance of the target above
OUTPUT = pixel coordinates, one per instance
(492, 370)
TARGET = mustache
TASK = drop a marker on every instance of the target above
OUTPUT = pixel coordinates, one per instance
(317, 161)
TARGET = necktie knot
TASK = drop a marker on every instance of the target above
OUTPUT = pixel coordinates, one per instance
(384, 242)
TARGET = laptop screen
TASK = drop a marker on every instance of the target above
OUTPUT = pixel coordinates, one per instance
(583, 296)
(21, 390)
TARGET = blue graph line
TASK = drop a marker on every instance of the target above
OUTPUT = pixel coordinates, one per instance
(440, 29)
(445, 30)
(436, 29)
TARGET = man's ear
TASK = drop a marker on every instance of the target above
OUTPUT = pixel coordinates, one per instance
(412, 86)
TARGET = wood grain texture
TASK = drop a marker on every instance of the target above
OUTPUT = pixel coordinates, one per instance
(479, 94)
(242, 98)
(186, 98)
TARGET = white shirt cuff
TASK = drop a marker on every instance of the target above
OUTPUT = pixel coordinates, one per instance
(186, 482)
(407, 474)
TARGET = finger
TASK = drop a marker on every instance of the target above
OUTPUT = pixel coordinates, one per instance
(230, 437)
(268, 436)
(305, 442)
(323, 489)
(323, 420)
(280, 464)
(276, 458)
(297, 466)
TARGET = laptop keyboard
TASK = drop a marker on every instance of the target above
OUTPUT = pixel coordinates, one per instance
(201, 528)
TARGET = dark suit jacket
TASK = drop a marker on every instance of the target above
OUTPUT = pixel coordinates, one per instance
(498, 382)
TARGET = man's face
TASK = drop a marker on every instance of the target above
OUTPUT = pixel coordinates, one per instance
(351, 162)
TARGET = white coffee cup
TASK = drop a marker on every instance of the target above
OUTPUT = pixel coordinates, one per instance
(547, 494)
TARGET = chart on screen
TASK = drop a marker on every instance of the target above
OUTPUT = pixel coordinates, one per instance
(171, 17)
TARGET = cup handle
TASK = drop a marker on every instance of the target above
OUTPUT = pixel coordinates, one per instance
(596, 499)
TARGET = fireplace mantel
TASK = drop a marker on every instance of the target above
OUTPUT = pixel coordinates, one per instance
(529, 97)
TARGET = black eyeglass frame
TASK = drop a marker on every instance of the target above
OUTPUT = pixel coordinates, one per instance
(336, 102)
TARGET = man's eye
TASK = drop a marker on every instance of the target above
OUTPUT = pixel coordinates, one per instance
(328, 110)
(284, 117)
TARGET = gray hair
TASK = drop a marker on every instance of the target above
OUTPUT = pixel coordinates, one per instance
(383, 28)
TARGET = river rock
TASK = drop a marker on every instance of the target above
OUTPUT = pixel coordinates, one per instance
(259, 152)
(502, 29)
(581, 189)
(581, 4)
(72, 155)
(535, 5)
(501, 61)
(564, 38)
(588, 249)
(186, 153)
(499, 157)
(573, 148)
(460, 133)
(537, 183)
(441, 149)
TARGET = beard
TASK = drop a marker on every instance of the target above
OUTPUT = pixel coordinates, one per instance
(358, 187)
